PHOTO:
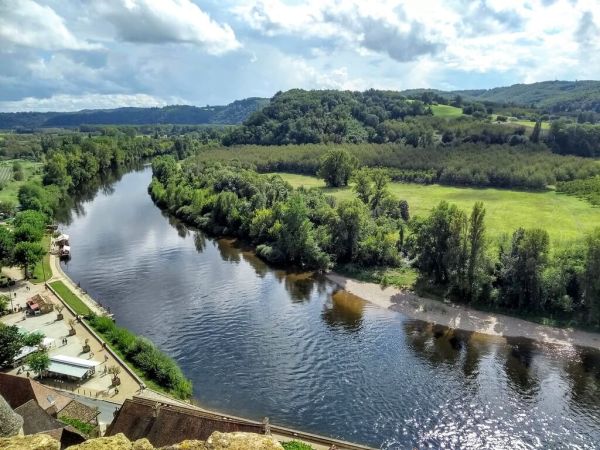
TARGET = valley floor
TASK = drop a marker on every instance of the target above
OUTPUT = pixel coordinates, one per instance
(462, 317)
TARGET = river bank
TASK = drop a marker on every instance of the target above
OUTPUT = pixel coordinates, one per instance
(461, 317)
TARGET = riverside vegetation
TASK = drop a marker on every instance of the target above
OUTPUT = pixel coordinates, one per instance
(72, 164)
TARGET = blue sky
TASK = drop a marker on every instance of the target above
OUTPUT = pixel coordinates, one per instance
(75, 54)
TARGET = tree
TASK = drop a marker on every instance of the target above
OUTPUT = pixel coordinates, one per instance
(33, 339)
(362, 185)
(4, 302)
(336, 167)
(28, 233)
(7, 208)
(27, 255)
(380, 190)
(535, 134)
(591, 278)
(7, 244)
(349, 229)
(38, 362)
(10, 344)
(476, 250)
(522, 267)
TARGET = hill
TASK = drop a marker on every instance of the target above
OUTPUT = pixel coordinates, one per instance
(553, 96)
(233, 113)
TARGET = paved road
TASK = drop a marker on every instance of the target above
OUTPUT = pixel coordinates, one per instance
(106, 408)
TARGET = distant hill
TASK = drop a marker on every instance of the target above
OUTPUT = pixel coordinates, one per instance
(234, 113)
(554, 96)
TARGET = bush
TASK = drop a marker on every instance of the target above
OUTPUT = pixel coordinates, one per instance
(296, 445)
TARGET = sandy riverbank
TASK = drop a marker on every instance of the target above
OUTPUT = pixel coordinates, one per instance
(461, 317)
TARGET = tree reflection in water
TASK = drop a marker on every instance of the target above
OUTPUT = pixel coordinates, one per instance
(344, 310)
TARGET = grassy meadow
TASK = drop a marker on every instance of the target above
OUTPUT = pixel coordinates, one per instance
(446, 111)
(565, 218)
(9, 188)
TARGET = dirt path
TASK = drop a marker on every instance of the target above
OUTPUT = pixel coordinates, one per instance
(461, 317)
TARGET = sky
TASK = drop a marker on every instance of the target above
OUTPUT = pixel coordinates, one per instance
(66, 55)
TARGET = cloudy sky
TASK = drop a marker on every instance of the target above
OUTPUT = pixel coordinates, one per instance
(75, 54)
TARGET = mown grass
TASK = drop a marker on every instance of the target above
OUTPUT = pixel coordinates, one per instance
(565, 218)
(530, 124)
(70, 298)
(9, 187)
(400, 277)
(446, 111)
(43, 267)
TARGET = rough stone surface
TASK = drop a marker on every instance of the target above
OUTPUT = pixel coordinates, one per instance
(116, 442)
(186, 445)
(32, 442)
(241, 441)
(10, 422)
(142, 444)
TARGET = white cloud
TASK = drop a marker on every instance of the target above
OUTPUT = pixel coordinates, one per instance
(87, 101)
(29, 24)
(164, 21)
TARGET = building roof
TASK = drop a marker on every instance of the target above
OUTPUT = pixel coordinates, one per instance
(72, 361)
(166, 424)
(79, 411)
(62, 237)
(19, 390)
(25, 351)
(68, 370)
(35, 419)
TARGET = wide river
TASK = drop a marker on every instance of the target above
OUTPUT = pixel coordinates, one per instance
(259, 342)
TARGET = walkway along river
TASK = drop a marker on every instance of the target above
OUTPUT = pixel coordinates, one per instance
(260, 342)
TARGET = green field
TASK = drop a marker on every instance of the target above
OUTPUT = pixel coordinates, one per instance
(10, 187)
(70, 298)
(565, 218)
(446, 111)
(530, 123)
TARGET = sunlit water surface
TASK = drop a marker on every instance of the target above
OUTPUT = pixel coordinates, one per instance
(259, 342)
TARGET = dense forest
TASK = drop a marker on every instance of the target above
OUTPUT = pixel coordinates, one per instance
(449, 248)
(233, 113)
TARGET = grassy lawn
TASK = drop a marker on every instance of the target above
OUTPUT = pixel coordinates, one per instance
(530, 123)
(70, 298)
(565, 218)
(10, 189)
(401, 277)
(43, 267)
(446, 111)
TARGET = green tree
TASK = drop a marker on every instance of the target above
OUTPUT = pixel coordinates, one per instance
(7, 244)
(7, 208)
(476, 265)
(27, 255)
(536, 133)
(592, 276)
(349, 228)
(4, 302)
(10, 344)
(38, 362)
(380, 191)
(522, 269)
(28, 233)
(362, 185)
(33, 339)
(336, 167)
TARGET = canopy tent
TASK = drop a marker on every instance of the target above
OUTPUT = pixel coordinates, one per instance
(24, 352)
(74, 361)
(47, 342)
(67, 370)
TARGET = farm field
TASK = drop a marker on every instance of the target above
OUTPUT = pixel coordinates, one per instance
(10, 187)
(446, 111)
(565, 218)
(530, 123)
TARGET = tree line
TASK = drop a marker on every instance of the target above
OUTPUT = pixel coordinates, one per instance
(449, 248)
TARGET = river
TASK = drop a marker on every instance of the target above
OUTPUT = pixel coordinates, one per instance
(260, 342)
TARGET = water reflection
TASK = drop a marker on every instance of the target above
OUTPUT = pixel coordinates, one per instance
(345, 310)
(519, 367)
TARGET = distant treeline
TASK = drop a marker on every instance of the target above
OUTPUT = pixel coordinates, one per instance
(525, 166)
(233, 113)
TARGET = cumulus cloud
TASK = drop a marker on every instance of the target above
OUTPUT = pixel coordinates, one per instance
(381, 27)
(29, 24)
(63, 102)
(167, 21)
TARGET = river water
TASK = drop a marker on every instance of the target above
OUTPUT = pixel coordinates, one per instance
(259, 342)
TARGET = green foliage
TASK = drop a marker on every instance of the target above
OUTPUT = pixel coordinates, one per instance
(588, 189)
(27, 255)
(84, 427)
(144, 356)
(10, 344)
(33, 339)
(295, 445)
(301, 117)
(336, 167)
(467, 164)
(574, 139)
(4, 303)
(7, 244)
(591, 280)
(38, 362)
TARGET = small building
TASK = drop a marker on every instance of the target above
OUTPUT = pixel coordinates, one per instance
(71, 368)
(23, 354)
(65, 251)
(38, 304)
